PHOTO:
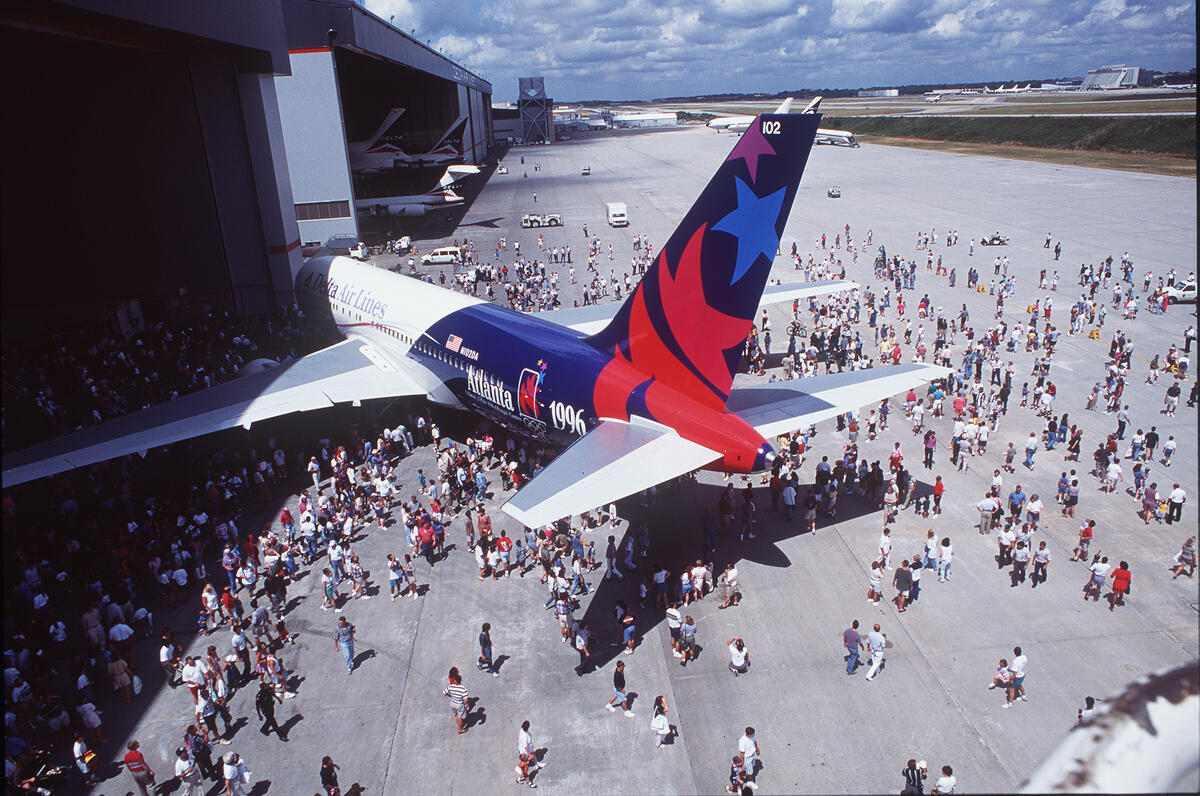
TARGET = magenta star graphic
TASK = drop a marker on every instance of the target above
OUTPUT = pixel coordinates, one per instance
(752, 146)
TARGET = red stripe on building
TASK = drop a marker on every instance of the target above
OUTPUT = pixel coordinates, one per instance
(283, 249)
(309, 50)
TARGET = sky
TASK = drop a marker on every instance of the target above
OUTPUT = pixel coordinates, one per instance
(643, 49)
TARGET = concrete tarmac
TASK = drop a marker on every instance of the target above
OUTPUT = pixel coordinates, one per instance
(820, 731)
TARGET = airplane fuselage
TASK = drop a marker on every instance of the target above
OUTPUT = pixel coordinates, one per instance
(524, 373)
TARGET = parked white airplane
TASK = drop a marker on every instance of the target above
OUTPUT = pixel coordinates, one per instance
(641, 392)
(439, 196)
(738, 124)
(384, 150)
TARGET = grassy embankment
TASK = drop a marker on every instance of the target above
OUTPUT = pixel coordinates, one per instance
(1160, 135)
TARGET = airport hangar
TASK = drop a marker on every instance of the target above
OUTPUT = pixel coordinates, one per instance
(158, 154)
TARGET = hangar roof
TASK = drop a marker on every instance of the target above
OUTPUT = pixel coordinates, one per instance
(309, 22)
(256, 27)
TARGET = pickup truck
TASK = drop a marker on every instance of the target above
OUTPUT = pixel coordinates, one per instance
(537, 220)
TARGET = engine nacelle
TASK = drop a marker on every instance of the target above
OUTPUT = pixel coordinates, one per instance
(406, 210)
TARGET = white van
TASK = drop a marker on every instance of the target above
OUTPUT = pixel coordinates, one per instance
(447, 255)
(616, 214)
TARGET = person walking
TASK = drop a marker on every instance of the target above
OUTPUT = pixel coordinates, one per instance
(137, 766)
(619, 697)
(1175, 501)
(458, 695)
(1121, 579)
(343, 639)
(1041, 562)
(264, 705)
(329, 777)
(485, 650)
(876, 643)
(660, 723)
(237, 775)
(526, 746)
(610, 557)
(852, 642)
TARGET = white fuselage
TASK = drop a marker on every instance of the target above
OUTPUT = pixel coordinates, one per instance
(384, 309)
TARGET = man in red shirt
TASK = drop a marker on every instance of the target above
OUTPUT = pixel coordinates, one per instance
(503, 546)
(938, 490)
(139, 768)
(425, 534)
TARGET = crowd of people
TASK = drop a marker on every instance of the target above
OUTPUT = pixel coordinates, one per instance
(91, 558)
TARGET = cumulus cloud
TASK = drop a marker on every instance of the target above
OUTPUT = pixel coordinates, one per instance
(641, 49)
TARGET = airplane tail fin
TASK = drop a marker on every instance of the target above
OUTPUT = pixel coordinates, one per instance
(453, 176)
(685, 323)
(451, 143)
(388, 136)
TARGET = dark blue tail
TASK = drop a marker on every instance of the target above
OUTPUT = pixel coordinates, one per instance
(685, 323)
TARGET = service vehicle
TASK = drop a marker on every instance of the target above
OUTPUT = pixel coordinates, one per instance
(447, 255)
(616, 214)
(539, 220)
(1181, 293)
(994, 240)
(834, 193)
(587, 170)
(502, 170)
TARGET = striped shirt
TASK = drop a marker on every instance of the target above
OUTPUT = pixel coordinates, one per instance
(457, 693)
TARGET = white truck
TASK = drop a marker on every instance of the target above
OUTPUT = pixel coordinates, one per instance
(616, 214)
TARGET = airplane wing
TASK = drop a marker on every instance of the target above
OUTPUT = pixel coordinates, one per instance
(348, 371)
(611, 461)
(591, 319)
(785, 406)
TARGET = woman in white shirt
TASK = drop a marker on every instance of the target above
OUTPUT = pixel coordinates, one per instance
(945, 559)
(1033, 511)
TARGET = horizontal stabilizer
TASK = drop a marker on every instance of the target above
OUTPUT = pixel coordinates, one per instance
(347, 371)
(785, 406)
(610, 462)
(591, 319)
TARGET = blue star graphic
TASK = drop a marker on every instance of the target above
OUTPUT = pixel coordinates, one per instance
(753, 224)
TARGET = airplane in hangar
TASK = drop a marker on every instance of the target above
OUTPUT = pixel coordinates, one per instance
(440, 196)
(384, 150)
(638, 393)
(739, 124)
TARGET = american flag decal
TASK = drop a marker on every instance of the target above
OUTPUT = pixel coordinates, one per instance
(453, 343)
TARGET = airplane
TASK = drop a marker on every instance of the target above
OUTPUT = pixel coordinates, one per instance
(836, 137)
(438, 197)
(738, 124)
(383, 150)
(639, 393)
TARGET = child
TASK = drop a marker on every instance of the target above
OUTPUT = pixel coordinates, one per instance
(643, 591)
(737, 775)
(202, 622)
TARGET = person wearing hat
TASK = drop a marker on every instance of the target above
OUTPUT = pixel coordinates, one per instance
(237, 775)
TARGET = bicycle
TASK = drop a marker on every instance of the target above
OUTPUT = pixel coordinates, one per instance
(796, 329)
